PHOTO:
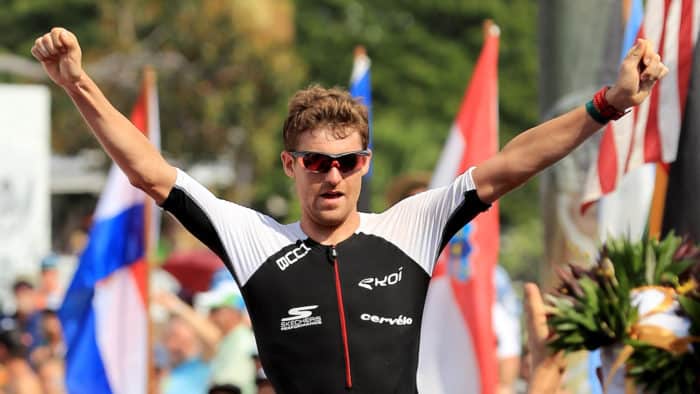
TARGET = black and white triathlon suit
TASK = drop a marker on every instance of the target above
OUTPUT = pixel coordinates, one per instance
(332, 319)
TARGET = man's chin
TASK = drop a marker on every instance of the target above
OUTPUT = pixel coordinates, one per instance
(331, 218)
(333, 221)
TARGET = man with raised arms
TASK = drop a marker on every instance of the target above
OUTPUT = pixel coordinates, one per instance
(336, 299)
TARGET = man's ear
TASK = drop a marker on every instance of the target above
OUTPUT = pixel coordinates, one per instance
(287, 163)
(366, 166)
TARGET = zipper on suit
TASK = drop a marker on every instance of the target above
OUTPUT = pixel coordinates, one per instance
(341, 315)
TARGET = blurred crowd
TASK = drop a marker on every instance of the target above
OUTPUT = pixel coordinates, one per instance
(203, 343)
(32, 350)
(206, 341)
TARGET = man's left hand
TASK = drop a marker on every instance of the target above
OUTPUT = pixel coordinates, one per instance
(639, 71)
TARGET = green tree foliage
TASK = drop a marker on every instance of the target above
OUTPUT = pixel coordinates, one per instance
(21, 23)
(225, 72)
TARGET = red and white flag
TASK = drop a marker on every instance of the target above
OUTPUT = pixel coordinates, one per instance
(650, 133)
(458, 344)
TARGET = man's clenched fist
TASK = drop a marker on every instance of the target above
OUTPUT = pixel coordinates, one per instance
(59, 54)
(639, 71)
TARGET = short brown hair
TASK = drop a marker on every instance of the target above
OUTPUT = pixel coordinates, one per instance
(316, 107)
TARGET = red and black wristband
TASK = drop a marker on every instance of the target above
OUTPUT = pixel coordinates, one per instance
(600, 110)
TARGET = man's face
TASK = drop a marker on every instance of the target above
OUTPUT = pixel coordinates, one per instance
(180, 341)
(25, 300)
(51, 326)
(224, 318)
(327, 199)
(49, 280)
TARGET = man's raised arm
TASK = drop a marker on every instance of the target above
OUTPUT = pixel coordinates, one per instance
(537, 148)
(60, 55)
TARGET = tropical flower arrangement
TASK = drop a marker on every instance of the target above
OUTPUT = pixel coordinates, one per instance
(640, 304)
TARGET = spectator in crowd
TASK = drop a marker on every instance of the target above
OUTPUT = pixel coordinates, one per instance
(20, 378)
(506, 324)
(224, 389)
(3, 379)
(188, 374)
(547, 369)
(263, 383)
(161, 361)
(52, 376)
(52, 345)
(233, 360)
(265, 387)
(49, 292)
(9, 343)
(227, 337)
(27, 317)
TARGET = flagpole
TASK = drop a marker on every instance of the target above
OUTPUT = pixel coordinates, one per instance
(148, 83)
(364, 201)
(626, 9)
(360, 51)
(488, 27)
(488, 23)
(658, 201)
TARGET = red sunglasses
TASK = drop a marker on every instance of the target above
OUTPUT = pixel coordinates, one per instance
(320, 163)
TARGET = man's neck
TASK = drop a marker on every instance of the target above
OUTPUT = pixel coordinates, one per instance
(330, 235)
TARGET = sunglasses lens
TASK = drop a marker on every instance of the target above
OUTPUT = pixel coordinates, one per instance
(318, 162)
(347, 162)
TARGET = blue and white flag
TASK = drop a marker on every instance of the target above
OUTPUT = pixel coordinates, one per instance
(105, 310)
(361, 88)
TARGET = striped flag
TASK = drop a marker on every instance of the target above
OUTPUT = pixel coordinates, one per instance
(361, 88)
(650, 133)
(624, 211)
(104, 313)
(458, 344)
(682, 211)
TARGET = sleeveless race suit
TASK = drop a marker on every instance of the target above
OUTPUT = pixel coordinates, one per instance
(332, 319)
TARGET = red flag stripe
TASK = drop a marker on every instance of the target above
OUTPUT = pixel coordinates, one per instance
(652, 139)
(473, 138)
(478, 122)
(607, 160)
(685, 51)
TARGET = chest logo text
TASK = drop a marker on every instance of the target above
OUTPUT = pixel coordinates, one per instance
(301, 316)
(387, 280)
(292, 256)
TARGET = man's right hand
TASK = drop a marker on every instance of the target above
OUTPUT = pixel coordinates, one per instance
(60, 55)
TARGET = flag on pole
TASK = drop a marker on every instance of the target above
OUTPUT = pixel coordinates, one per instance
(682, 213)
(146, 116)
(361, 89)
(458, 344)
(624, 210)
(650, 133)
(104, 313)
